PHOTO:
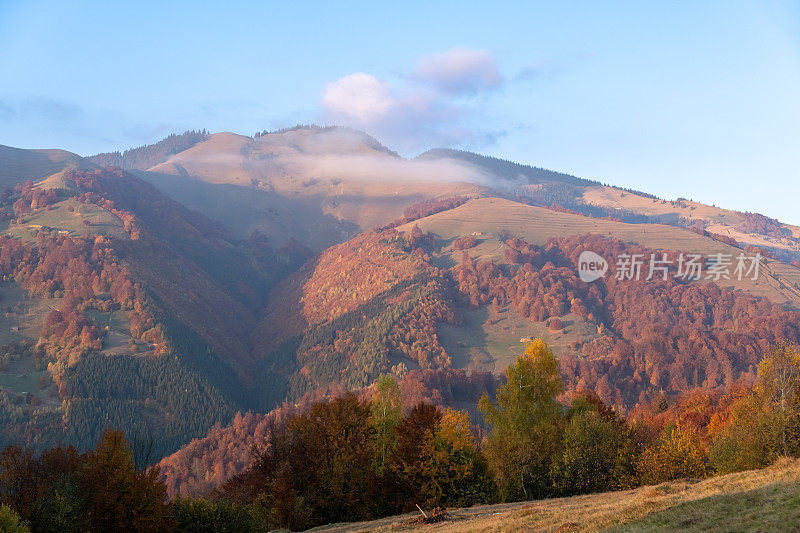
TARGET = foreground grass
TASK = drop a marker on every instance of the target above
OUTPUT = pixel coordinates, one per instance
(757, 500)
(775, 507)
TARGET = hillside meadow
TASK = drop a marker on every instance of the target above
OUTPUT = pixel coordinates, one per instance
(755, 500)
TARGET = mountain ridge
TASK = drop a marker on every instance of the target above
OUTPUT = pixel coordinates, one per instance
(342, 177)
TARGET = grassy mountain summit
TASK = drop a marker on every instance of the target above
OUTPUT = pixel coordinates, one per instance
(318, 186)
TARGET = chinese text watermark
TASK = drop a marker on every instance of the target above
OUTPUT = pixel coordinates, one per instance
(685, 266)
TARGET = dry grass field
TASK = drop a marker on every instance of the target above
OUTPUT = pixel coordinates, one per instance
(63, 220)
(757, 500)
(721, 221)
(491, 216)
(490, 338)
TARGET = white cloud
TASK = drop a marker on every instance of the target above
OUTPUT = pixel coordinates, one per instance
(459, 71)
(408, 118)
(359, 96)
(421, 111)
(374, 167)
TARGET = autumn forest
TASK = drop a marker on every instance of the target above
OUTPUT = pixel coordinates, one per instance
(165, 369)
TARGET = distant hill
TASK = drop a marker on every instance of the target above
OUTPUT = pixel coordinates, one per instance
(318, 186)
(507, 171)
(782, 240)
(18, 165)
(149, 155)
(357, 136)
(323, 185)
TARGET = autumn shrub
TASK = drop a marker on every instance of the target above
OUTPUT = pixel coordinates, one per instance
(599, 454)
(453, 472)
(677, 454)
(10, 521)
(465, 243)
(218, 516)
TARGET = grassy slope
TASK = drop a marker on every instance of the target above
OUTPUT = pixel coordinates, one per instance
(18, 309)
(489, 338)
(491, 216)
(770, 508)
(61, 219)
(721, 221)
(757, 500)
(18, 165)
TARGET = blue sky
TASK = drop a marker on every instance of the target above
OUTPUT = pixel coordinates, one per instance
(692, 99)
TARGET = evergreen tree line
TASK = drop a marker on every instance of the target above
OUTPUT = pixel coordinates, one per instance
(149, 155)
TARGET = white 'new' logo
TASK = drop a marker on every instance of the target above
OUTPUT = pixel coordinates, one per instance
(591, 266)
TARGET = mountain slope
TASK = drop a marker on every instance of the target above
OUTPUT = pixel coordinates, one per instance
(18, 165)
(447, 310)
(494, 216)
(492, 272)
(745, 228)
(108, 273)
(123, 309)
(505, 172)
(322, 186)
(547, 188)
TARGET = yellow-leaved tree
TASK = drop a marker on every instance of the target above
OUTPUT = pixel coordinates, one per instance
(677, 454)
(526, 425)
(454, 473)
